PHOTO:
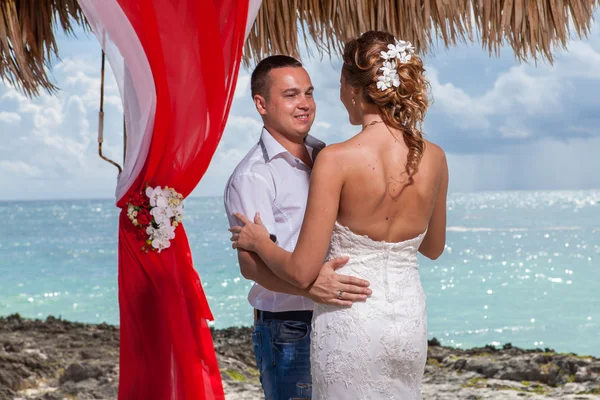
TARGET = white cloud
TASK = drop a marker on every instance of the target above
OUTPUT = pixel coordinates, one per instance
(59, 125)
(582, 60)
(514, 129)
(243, 124)
(240, 135)
(489, 105)
(19, 169)
(82, 74)
(56, 141)
(243, 86)
(9, 117)
(515, 93)
(456, 104)
(321, 124)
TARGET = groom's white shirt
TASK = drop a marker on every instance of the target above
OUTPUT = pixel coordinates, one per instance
(273, 182)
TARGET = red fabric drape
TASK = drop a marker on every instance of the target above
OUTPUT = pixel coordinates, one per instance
(194, 50)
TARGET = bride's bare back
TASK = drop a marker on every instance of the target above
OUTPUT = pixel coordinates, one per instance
(375, 199)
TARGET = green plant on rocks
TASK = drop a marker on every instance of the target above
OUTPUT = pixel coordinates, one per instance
(479, 383)
(235, 375)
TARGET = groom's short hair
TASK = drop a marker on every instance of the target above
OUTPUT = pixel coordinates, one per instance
(260, 83)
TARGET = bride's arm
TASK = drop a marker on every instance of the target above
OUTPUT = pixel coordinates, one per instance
(301, 267)
(435, 241)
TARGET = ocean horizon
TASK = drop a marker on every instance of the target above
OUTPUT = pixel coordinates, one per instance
(519, 266)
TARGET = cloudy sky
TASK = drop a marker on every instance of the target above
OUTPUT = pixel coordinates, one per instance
(504, 125)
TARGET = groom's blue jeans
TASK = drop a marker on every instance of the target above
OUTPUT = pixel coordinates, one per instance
(282, 350)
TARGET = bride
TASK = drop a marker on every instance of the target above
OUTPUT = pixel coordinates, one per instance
(379, 198)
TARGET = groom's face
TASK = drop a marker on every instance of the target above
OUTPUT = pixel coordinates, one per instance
(289, 107)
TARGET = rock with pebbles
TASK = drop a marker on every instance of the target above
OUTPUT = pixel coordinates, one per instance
(57, 360)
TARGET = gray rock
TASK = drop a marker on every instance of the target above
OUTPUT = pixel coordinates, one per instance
(14, 347)
(92, 354)
(460, 364)
(487, 367)
(80, 371)
(521, 370)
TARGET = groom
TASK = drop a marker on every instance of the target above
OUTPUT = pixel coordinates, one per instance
(273, 180)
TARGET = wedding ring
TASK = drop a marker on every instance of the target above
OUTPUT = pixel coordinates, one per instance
(339, 296)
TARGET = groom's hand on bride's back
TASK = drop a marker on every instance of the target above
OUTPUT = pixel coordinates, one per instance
(328, 285)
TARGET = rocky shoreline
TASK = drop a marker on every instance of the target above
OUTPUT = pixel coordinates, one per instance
(56, 359)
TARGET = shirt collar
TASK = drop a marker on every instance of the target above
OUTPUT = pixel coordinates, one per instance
(271, 147)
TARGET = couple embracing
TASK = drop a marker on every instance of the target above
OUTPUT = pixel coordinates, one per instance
(330, 235)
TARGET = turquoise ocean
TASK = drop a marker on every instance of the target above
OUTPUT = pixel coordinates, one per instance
(519, 267)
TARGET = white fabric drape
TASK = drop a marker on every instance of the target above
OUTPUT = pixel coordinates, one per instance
(132, 72)
(253, 7)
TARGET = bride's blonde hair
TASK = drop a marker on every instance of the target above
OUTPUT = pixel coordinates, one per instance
(402, 107)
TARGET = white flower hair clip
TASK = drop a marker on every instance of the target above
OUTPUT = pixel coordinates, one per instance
(399, 53)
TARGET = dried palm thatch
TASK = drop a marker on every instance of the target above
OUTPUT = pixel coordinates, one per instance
(27, 41)
(533, 28)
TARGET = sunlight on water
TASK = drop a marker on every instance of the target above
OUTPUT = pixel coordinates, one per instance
(519, 267)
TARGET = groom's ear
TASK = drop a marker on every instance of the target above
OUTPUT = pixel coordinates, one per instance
(261, 104)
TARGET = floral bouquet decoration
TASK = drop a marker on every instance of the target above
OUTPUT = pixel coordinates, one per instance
(156, 212)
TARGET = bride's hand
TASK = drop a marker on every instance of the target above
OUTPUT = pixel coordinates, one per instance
(249, 234)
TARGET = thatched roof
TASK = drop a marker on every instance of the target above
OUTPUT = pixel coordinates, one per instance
(27, 41)
(533, 28)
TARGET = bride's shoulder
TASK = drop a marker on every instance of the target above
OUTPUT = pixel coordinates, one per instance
(348, 152)
(341, 149)
(334, 155)
(435, 157)
(330, 152)
(351, 144)
(434, 151)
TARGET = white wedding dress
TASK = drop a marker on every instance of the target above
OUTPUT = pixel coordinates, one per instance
(377, 349)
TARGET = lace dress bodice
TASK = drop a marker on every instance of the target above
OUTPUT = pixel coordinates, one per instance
(375, 349)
